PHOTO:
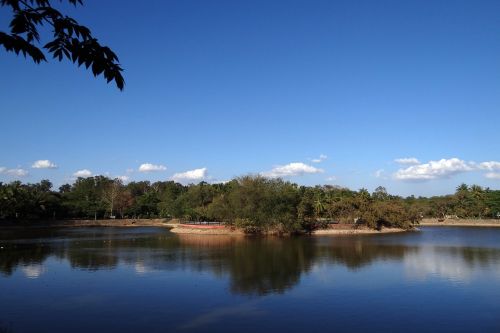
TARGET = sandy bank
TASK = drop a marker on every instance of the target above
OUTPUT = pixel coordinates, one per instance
(461, 222)
(177, 228)
(221, 230)
(364, 231)
(204, 230)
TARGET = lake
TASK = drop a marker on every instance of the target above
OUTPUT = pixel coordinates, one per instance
(437, 279)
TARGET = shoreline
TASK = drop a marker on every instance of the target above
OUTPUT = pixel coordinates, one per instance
(365, 231)
(460, 223)
(177, 228)
(194, 230)
(184, 229)
(91, 223)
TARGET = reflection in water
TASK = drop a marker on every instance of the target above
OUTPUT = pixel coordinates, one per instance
(13, 255)
(269, 265)
(252, 265)
(140, 268)
(452, 263)
(33, 271)
(356, 252)
(92, 259)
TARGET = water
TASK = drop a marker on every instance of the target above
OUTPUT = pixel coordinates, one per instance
(149, 280)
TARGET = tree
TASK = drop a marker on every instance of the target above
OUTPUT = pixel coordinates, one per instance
(169, 205)
(70, 40)
(28, 201)
(111, 193)
(85, 197)
(319, 207)
(380, 194)
(124, 201)
(479, 208)
(493, 203)
(306, 209)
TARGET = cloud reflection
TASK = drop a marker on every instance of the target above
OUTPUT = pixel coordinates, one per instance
(450, 263)
(33, 271)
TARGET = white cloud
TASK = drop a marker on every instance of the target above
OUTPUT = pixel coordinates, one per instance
(124, 179)
(434, 170)
(291, 170)
(220, 181)
(44, 164)
(379, 173)
(148, 167)
(84, 173)
(407, 160)
(191, 175)
(445, 168)
(320, 159)
(331, 179)
(492, 175)
(490, 166)
(16, 172)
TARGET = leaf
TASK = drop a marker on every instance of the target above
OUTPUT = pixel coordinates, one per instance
(71, 40)
(15, 43)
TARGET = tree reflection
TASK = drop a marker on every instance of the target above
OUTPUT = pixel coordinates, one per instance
(253, 266)
(268, 265)
(14, 255)
(92, 260)
(357, 252)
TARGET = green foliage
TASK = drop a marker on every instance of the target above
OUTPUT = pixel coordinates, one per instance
(391, 213)
(263, 203)
(253, 203)
(492, 201)
(467, 202)
(28, 201)
(247, 225)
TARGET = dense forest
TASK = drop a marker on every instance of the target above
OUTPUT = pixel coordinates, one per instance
(251, 202)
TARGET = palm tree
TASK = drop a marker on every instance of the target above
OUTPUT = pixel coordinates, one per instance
(319, 207)
(477, 196)
(462, 188)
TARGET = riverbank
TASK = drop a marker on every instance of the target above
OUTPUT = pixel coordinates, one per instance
(462, 222)
(192, 229)
(222, 230)
(359, 231)
(93, 223)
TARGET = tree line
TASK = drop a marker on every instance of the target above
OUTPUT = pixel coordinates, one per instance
(254, 203)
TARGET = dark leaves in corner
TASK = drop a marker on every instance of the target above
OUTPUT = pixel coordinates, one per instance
(71, 40)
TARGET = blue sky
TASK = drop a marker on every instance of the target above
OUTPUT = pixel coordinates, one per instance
(227, 88)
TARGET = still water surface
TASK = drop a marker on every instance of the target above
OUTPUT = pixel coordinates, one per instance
(149, 280)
